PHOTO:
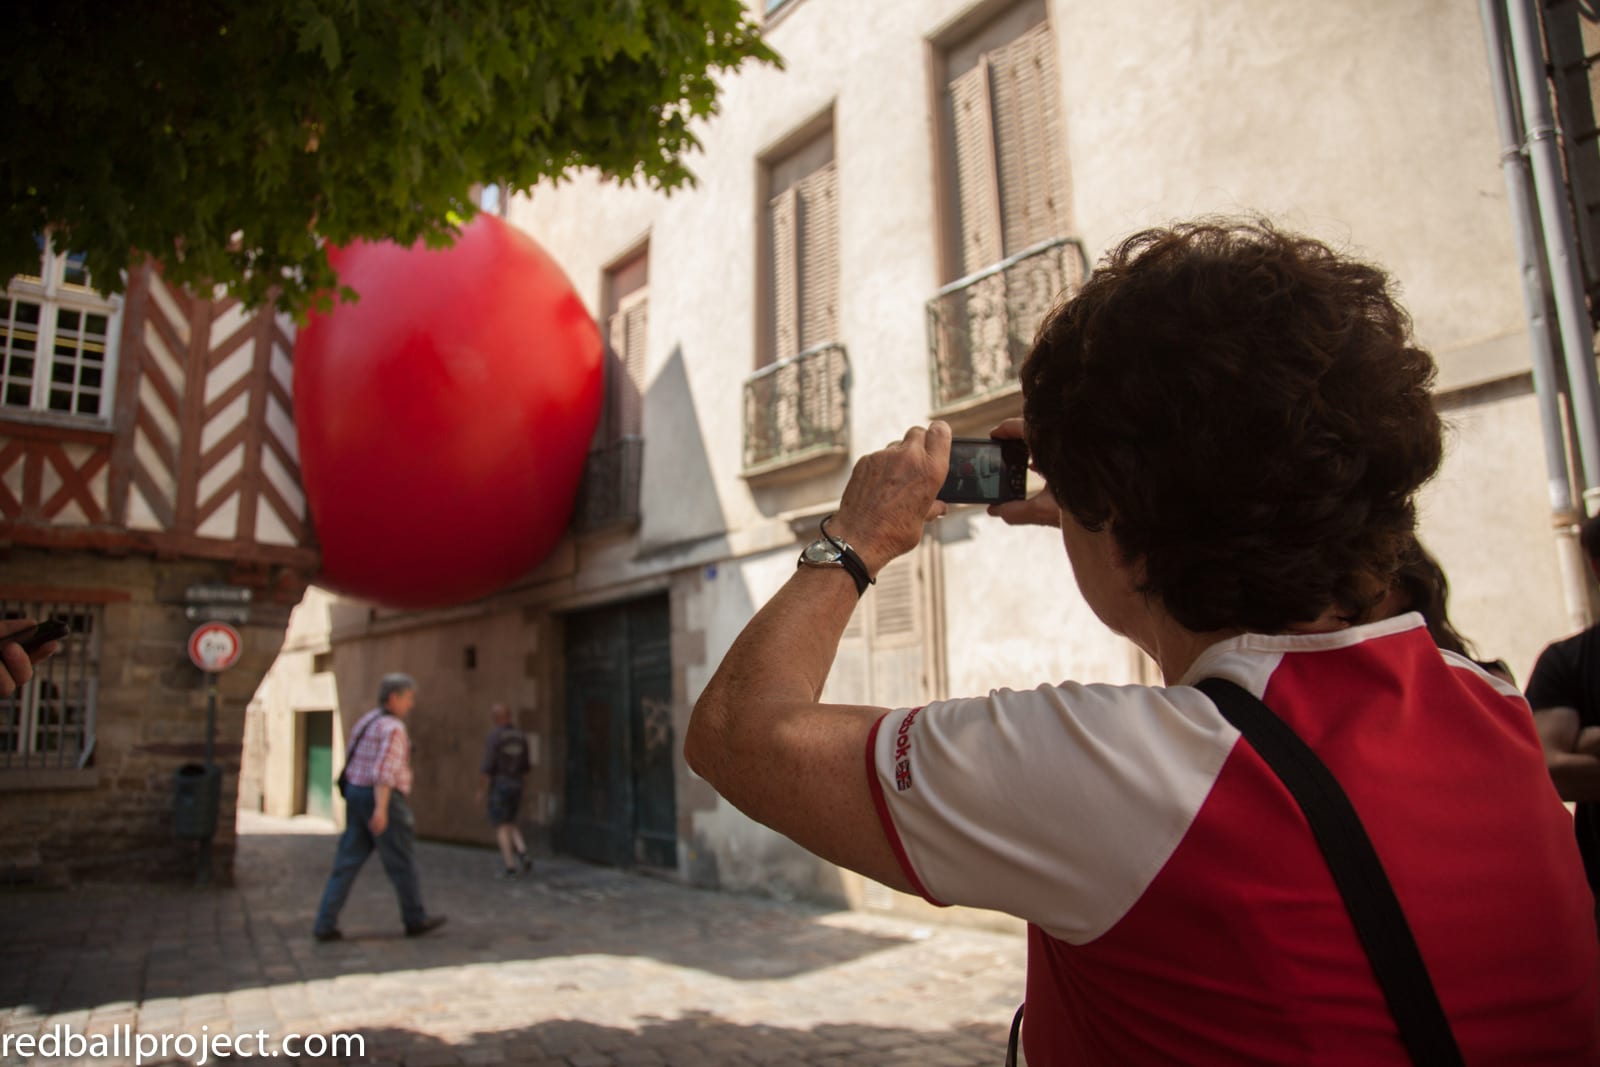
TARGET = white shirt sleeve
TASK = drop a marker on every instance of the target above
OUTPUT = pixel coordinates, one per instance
(1059, 805)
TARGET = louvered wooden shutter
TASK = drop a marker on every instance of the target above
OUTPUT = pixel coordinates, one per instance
(818, 203)
(899, 652)
(885, 658)
(616, 343)
(1030, 159)
(630, 358)
(977, 187)
(784, 299)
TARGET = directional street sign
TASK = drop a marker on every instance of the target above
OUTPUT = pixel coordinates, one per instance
(218, 594)
(235, 616)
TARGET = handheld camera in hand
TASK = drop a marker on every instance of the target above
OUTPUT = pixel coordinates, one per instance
(36, 637)
(985, 470)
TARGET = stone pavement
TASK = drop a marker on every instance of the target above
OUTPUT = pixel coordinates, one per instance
(573, 965)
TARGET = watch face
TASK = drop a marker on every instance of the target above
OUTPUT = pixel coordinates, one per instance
(820, 553)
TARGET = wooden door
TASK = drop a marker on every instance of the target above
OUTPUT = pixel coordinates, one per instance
(620, 806)
(317, 757)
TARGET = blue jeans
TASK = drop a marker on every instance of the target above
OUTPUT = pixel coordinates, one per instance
(395, 848)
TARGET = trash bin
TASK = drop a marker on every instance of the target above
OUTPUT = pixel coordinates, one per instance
(197, 793)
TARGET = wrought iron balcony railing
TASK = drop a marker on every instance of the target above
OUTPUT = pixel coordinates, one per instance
(981, 327)
(797, 408)
(608, 496)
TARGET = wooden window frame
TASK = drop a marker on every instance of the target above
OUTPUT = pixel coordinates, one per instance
(962, 34)
(802, 139)
(620, 418)
(776, 11)
(52, 294)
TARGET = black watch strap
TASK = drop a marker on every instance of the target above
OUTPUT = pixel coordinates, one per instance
(850, 561)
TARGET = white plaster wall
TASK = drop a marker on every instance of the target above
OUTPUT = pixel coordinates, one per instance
(1013, 616)
(1368, 123)
(747, 855)
(1487, 520)
(292, 686)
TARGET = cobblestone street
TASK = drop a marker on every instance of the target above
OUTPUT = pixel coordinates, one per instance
(572, 965)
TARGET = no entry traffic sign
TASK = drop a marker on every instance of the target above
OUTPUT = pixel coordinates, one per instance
(215, 647)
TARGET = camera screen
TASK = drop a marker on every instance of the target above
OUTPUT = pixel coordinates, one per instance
(976, 470)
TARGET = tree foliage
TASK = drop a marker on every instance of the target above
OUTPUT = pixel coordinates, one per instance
(229, 139)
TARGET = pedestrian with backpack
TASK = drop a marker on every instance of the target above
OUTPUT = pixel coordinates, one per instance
(505, 765)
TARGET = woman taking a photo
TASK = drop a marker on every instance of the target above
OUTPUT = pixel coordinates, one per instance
(1232, 422)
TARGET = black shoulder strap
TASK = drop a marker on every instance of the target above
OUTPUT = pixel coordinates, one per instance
(360, 734)
(1370, 899)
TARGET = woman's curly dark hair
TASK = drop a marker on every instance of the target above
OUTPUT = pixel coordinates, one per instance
(1245, 408)
(1421, 586)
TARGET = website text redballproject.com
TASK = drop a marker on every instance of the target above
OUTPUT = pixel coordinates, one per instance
(63, 1042)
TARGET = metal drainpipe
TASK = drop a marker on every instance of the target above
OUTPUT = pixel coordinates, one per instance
(1564, 516)
(1566, 281)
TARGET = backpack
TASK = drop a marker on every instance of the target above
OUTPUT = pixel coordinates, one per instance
(511, 754)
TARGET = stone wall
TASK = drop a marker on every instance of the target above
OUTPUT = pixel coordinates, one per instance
(463, 661)
(114, 818)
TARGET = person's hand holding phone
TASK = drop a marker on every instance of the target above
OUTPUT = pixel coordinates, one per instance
(891, 494)
(1041, 508)
(24, 643)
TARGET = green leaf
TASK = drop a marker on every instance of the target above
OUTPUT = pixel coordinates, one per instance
(305, 122)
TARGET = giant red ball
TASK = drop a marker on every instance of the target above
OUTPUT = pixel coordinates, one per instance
(445, 417)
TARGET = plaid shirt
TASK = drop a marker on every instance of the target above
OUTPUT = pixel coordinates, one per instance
(383, 756)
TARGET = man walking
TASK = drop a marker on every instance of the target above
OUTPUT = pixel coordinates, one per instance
(505, 764)
(375, 783)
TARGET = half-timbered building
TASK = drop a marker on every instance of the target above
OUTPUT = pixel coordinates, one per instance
(147, 447)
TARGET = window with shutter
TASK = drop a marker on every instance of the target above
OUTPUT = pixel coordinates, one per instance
(783, 216)
(886, 656)
(796, 404)
(1007, 216)
(818, 202)
(977, 194)
(1007, 154)
(627, 297)
(802, 220)
(609, 495)
(1030, 160)
(628, 333)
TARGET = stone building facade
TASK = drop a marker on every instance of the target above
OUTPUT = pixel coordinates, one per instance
(147, 448)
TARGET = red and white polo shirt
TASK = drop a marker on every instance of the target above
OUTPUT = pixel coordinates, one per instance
(1179, 908)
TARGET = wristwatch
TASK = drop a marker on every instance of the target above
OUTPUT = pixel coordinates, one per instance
(829, 551)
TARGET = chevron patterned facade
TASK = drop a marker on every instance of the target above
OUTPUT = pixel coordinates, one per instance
(199, 458)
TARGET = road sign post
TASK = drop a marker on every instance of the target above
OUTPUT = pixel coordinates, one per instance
(213, 647)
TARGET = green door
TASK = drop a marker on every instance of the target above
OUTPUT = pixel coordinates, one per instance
(620, 807)
(318, 756)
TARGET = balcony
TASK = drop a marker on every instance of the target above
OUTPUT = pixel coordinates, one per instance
(608, 497)
(981, 327)
(797, 416)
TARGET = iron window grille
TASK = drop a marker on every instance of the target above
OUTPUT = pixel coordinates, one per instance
(50, 722)
(608, 497)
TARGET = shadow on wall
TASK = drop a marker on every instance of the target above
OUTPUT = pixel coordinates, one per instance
(678, 499)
